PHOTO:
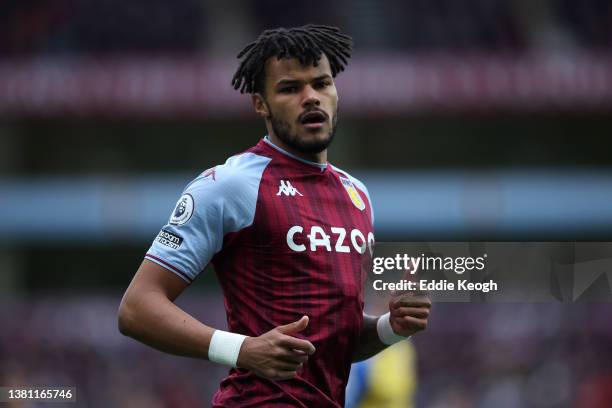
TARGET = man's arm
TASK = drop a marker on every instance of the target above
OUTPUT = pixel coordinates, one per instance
(147, 313)
(408, 314)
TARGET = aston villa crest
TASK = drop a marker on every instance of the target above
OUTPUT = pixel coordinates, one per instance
(353, 193)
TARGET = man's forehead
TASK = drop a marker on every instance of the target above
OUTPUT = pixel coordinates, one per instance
(290, 68)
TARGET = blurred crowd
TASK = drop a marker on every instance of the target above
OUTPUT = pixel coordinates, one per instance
(516, 355)
(84, 26)
(501, 355)
(75, 342)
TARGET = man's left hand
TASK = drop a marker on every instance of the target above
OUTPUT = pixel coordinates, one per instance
(409, 313)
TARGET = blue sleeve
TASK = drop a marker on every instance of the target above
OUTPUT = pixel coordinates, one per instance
(219, 201)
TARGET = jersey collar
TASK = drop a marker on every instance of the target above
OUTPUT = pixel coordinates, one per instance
(321, 166)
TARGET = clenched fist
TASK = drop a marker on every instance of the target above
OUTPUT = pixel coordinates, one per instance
(409, 313)
(276, 354)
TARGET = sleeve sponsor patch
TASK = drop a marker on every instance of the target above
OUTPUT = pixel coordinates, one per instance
(169, 239)
(183, 210)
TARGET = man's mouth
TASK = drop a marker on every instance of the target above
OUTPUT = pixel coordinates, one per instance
(313, 119)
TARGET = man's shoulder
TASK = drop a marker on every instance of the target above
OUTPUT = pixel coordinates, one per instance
(239, 173)
(360, 185)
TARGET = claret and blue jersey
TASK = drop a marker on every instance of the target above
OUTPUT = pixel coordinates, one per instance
(287, 238)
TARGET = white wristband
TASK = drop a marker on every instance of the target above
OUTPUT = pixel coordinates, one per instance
(385, 331)
(224, 347)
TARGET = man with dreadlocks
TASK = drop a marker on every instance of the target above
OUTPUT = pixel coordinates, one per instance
(287, 234)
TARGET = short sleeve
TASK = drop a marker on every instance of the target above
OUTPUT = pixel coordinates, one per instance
(221, 200)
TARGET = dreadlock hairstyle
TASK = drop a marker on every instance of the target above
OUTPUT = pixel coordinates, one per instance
(306, 43)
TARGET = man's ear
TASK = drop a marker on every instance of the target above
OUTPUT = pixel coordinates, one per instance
(260, 105)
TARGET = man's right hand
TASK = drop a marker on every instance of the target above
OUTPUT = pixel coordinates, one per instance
(276, 354)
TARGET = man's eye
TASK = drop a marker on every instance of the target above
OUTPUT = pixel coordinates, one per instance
(289, 89)
(322, 84)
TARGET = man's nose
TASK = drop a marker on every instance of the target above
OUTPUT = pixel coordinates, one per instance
(311, 97)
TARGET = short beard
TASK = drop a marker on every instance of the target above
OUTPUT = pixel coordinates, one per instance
(282, 130)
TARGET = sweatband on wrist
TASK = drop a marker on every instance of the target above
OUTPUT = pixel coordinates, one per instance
(224, 347)
(385, 331)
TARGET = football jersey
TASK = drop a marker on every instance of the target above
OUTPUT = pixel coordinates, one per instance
(287, 238)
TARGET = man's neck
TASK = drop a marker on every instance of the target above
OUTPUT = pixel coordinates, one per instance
(320, 157)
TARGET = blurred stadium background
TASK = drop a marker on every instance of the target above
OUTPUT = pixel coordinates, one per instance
(468, 120)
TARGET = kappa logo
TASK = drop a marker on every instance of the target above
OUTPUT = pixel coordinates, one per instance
(285, 188)
(209, 173)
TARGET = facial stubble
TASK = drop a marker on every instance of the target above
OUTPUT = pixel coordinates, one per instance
(282, 130)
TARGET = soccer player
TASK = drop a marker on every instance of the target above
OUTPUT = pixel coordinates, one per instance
(287, 234)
